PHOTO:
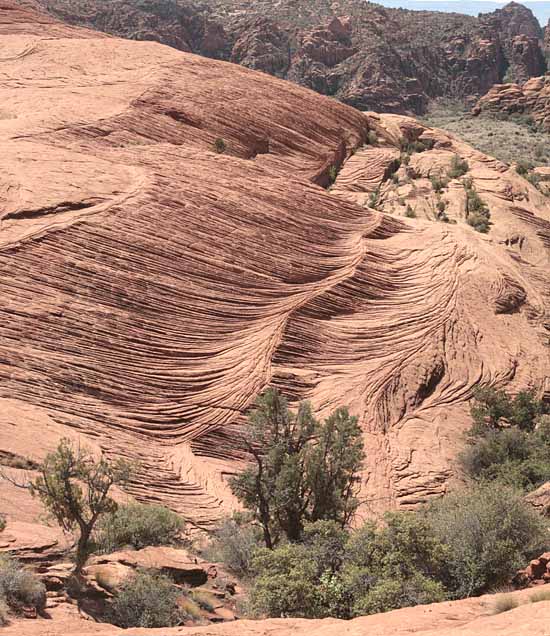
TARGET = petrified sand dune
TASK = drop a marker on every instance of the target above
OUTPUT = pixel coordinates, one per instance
(151, 287)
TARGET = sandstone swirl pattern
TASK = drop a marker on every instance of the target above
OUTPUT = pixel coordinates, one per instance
(150, 287)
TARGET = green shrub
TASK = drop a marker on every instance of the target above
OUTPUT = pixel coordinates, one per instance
(523, 167)
(439, 183)
(332, 174)
(511, 456)
(409, 212)
(138, 525)
(2, 523)
(286, 583)
(459, 167)
(372, 139)
(477, 212)
(374, 199)
(234, 544)
(220, 146)
(417, 145)
(147, 600)
(19, 587)
(389, 594)
(489, 532)
(509, 440)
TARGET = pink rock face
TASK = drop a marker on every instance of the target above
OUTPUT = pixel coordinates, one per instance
(151, 287)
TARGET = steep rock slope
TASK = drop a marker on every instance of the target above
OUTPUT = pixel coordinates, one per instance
(363, 54)
(151, 287)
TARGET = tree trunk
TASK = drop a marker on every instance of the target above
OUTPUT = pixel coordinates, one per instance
(82, 549)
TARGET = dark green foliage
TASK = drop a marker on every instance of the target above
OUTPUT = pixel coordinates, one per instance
(138, 525)
(332, 174)
(439, 183)
(220, 146)
(74, 488)
(234, 544)
(489, 532)
(2, 523)
(409, 212)
(389, 594)
(491, 409)
(459, 167)
(509, 440)
(302, 471)
(20, 588)
(478, 215)
(417, 145)
(333, 574)
(524, 167)
(147, 600)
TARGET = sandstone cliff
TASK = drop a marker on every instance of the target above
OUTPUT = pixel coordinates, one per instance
(151, 287)
(368, 56)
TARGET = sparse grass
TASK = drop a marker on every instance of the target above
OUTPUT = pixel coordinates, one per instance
(505, 140)
(205, 600)
(542, 595)
(188, 607)
(505, 604)
(332, 174)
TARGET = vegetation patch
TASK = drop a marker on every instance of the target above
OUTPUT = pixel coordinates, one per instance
(137, 526)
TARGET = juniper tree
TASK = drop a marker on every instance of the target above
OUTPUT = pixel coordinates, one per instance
(302, 470)
(74, 487)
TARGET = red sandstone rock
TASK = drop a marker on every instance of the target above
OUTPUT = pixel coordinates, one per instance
(151, 287)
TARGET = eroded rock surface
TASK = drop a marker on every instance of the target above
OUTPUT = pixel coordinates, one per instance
(366, 55)
(152, 287)
(470, 617)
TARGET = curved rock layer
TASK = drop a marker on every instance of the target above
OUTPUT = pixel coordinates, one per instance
(151, 287)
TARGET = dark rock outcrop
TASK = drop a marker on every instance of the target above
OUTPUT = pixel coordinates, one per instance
(366, 55)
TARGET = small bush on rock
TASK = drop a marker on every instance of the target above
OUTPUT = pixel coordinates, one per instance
(19, 587)
(234, 544)
(220, 146)
(147, 600)
(138, 525)
(459, 167)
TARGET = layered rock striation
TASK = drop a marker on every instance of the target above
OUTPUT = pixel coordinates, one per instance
(152, 286)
